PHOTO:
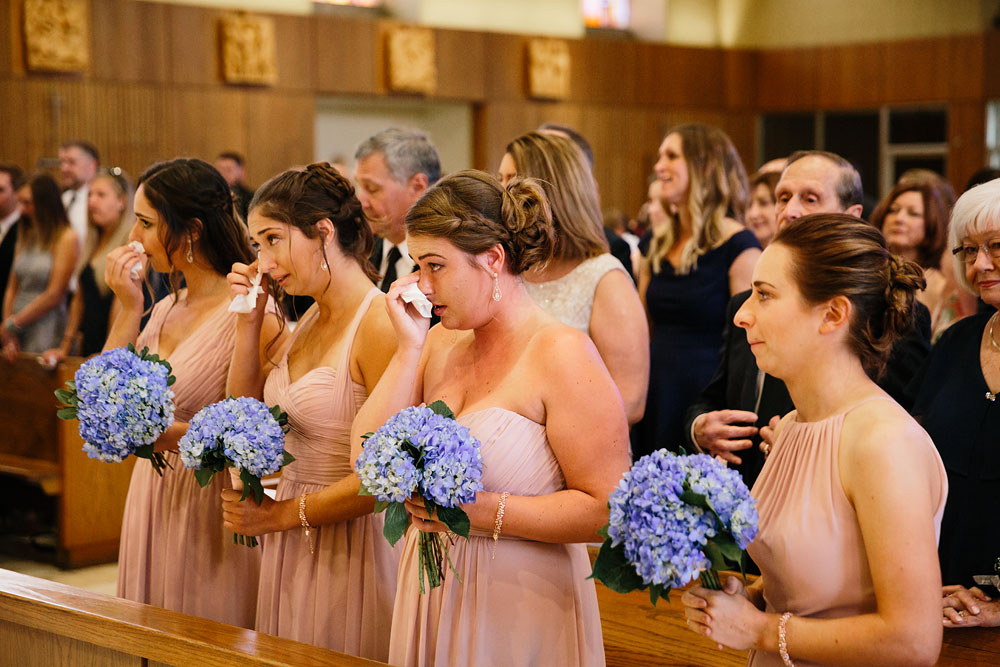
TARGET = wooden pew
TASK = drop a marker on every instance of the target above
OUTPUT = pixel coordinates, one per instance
(37, 446)
(43, 623)
(636, 633)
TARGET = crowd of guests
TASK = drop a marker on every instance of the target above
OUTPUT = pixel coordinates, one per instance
(756, 319)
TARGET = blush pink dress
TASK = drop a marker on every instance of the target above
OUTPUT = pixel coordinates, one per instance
(340, 596)
(530, 605)
(810, 548)
(174, 550)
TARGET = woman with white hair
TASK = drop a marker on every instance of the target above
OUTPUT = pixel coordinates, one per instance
(956, 400)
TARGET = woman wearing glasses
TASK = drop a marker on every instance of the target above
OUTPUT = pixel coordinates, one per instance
(956, 400)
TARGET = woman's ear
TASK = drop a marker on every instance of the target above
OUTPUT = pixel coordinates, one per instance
(836, 314)
(195, 231)
(495, 259)
(327, 232)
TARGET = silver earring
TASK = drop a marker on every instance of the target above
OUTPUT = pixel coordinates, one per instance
(323, 265)
(497, 294)
(190, 252)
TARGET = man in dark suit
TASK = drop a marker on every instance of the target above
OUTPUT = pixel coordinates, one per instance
(231, 165)
(394, 168)
(741, 404)
(11, 179)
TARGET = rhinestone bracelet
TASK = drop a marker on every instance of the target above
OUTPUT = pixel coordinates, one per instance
(501, 506)
(305, 523)
(783, 639)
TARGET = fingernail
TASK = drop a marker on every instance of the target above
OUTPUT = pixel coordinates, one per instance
(974, 609)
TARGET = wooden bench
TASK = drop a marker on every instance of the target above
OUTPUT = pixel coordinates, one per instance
(38, 446)
(43, 623)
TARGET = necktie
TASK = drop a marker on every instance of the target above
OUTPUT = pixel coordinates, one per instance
(390, 269)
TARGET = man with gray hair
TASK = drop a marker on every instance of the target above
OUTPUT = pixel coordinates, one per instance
(394, 168)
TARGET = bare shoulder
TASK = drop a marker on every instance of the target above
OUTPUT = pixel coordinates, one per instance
(558, 349)
(375, 323)
(730, 228)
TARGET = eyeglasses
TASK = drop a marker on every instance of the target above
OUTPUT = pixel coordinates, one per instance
(968, 252)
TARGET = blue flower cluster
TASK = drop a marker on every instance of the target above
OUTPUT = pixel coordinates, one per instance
(420, 450)
(243, 429)
(124, 402)
(663, 536)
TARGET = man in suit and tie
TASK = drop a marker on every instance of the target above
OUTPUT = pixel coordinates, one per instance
(740, 402)
(394, 168)
(11, 179)
(78, 164)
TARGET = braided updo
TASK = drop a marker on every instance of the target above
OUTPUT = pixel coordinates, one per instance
(473, 211)
(301, 197)
(839, 255)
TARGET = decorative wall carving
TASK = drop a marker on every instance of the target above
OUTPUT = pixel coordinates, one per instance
(548, 69)
(56, 35)
(249, 51)
(412, 59)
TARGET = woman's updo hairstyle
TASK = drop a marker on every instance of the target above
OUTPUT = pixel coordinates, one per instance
(473, 211)
(301, 197)
(192, 198)
(839, 255)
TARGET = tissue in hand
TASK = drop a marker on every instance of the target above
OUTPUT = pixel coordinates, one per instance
(412, 295)
(137, 267)
(245, 303)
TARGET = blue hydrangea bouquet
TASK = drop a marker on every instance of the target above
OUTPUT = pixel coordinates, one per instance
(242, 434)
(123, 401)
(422, 450)
(673, 518)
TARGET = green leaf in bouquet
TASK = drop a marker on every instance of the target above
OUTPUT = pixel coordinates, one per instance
(131, 348)
(66, 396)
(396, 521)
(613, 570)
(603, 530)
(657, 591)
(714, 554)
(286, 458)
(155, 458)
(380, 505)
(66, 413)
(204, 476)
(441, 408)
(695, 499)
(456, 519)
(252, 484)
(363, 491)
(729, 549)
(365, 436)
(170, 380)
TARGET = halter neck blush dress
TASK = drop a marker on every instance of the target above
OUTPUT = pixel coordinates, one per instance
(809, 548)
(340, 596)
(174, 550)
(530, 605)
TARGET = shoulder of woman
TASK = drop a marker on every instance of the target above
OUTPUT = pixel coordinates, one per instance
(66, 237)
(558, 347)
(879, 432)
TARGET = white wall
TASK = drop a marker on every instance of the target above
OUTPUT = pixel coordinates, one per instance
(343, 123)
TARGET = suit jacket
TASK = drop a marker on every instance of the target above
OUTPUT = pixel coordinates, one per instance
(7, 259)
(620, 250)
(734, 385)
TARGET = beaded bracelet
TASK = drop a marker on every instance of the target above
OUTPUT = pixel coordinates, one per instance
(783, 639)
(305, 522)
(501, 506)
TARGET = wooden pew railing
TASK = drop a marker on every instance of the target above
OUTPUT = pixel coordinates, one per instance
(43, 623)
(38, 446)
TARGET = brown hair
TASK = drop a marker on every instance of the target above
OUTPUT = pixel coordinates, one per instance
(834, 254)
(561, 168)
(937, 208)
(49, 219)
(718, 188)
(474, 212)
(768, 178)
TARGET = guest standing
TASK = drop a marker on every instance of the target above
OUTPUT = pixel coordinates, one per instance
(583, 285)
(174, 551)
(851, 496)
(701, 257)
(34, 307)
(11, 180)
(331, 584)
(535, 392)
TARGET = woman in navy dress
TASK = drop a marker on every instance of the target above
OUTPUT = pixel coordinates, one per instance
(699, 257)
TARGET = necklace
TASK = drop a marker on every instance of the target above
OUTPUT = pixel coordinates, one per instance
(993, 320)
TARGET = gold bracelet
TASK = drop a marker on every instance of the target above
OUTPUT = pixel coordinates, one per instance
(305, 523)
(498, 524)
(783, 639)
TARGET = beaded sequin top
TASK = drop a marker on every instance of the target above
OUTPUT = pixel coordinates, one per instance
(570, 299)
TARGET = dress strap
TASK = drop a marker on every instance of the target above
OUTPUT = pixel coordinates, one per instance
(344, 364)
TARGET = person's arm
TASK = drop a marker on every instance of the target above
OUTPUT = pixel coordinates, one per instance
(9, 295)
(118, 275)
(54, 355)
(375, 344)
(11, 346)
(618, 329)
(741, 270)
(260, 338)
(63, 262)
(896, 517)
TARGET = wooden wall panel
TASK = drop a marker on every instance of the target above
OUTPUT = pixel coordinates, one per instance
(341, 61)
(193, 45)
(201, 122)
(296, 44)
(280, 132)
(788, 79)
(9, 39)
(991, 73)
(740, 72)
(129, 42)
(504, 69)
(966, 143)
(849, 76)
(461, 59)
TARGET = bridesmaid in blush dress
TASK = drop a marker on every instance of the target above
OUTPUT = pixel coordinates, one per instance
(852, 494)
(331, 584)
(550, 419)
(174, 551)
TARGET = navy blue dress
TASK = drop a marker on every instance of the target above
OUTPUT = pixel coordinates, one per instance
(688, 315)
(951, 402)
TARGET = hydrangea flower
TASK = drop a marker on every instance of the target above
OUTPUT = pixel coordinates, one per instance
(123, 401)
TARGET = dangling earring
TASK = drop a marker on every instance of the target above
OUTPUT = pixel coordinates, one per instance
(323, 265)
(497, 294)
(190, 252)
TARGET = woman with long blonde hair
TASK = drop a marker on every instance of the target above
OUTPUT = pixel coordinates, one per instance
(700, 257)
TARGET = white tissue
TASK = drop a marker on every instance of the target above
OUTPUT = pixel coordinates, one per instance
(412, 295)
(137, 267)
(245, 303)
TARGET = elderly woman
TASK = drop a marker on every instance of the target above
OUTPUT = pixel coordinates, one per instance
(956, 400)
